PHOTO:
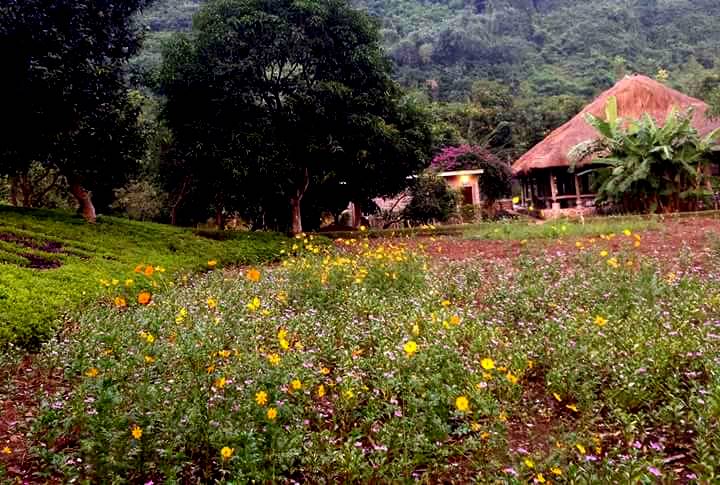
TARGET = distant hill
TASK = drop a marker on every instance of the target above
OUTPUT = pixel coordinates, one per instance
(544, 47)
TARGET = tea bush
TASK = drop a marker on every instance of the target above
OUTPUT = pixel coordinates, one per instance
(51, 262)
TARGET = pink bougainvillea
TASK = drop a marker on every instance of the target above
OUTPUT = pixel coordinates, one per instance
(463, 157)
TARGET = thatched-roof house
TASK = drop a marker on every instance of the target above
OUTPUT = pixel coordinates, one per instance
(547, 183)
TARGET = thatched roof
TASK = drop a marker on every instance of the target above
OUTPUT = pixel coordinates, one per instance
(636, 95)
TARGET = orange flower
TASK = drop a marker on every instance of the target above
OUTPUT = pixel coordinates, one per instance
(120, 302)
(253, 275)
(149, 270)
(144, 298)
(139, 268)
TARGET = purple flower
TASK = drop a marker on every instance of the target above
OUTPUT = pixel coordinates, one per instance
(654, 471)
(510, 471)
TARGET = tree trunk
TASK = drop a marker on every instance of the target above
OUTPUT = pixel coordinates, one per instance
(87, 209)
(26, 190)
(296, 227)
(181, 196)
(14, 191)
(356, 215)
(296, 218)
(219, 219)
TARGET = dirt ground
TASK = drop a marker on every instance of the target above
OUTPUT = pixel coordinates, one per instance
(699, 235)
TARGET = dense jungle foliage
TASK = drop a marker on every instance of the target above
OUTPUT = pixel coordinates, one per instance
(539, 47)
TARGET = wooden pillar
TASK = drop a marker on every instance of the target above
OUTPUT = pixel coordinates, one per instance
(554, 191)
(578, 192)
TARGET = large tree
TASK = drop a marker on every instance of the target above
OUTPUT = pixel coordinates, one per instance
(280, 97)
(69, 107)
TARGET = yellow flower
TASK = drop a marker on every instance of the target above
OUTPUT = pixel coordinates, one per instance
(349, 394)
(445, 303)
(182, 314)
(324, 371)
(272, 414)
(613, 262)
(503, 417)
(410, 348)
(296, 384)
(284, 344)
(600, 321)
(321, 391)
(136, 432)
(556, 471)
(227, 452)
(120, 302)
(211, 264)
(529, 463)
(540, 478)
(7, 450)
(253, 275)
(115, 282)
(512, 378)
(475, 426)
(224, 354)
(254, 304)
(129, 283)
(149, 359)
(557, 396)
(627, 232)
(580, 448)
(144, 297)
(487, 364)
(455, 320)
(516, 200)
(212, 303)
(220, 382)
(261, 398)
(274, 359)
(416, 329)
(92, 372)
(462, 404)
(484, 435)
(603, 254)
(572, 407)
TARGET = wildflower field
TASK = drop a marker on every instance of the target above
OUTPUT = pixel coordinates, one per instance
(581, 359)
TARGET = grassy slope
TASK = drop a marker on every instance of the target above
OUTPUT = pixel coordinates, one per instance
(33, 300)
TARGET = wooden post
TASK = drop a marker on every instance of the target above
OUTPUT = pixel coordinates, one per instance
(578, 192)
(554, 192)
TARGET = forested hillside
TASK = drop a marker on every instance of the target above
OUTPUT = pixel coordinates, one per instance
(539, 47)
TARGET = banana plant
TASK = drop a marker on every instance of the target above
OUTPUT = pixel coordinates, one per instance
(645, 166)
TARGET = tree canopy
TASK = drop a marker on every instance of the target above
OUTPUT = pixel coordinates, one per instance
(271, 102)
(70, 109)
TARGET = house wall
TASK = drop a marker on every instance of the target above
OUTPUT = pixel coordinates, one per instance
(457, 182)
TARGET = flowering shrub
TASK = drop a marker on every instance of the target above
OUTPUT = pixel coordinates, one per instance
(364, 362)
(495, 180)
